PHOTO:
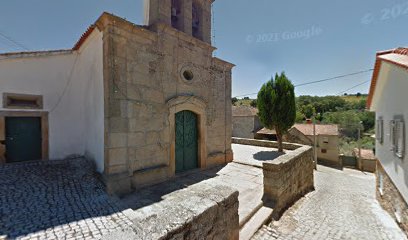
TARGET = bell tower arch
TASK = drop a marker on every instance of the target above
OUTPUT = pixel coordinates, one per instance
(192, 17)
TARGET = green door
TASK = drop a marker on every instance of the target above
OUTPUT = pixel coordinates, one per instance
(23, 139)
(186, 141)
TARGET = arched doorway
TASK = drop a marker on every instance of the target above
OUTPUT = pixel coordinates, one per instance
(186, 141)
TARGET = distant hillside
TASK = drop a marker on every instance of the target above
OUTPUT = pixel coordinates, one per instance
(354, 98)
(349, 98)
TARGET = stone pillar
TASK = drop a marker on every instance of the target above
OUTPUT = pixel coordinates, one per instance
(116, 167)
(186, 17)
(156, 11)
(228, 115)
(205, 22)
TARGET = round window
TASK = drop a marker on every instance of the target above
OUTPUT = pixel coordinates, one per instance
(188, 75)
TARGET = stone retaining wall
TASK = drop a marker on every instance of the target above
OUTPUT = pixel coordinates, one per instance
(265, 143)
(286, 178)
(201, 211)
(390, 198)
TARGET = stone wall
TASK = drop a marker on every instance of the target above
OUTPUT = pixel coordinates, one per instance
(288, 178)
(201, 211)
(243, 126)
(390, 198)
(265, 143)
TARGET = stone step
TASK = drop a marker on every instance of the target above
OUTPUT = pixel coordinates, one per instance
(258, 220)
(246, 215)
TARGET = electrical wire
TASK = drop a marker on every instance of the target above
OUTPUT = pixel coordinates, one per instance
(358, 85)
(13, 41)
(319, 81)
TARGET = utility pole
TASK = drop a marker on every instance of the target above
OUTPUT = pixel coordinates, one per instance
(314, 141)
(359, 145)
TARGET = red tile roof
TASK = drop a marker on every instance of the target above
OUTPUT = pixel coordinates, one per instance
(398, 56)
(267, 131)
(321, 129)
(84, 36)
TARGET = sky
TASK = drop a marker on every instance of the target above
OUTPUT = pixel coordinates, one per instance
(308, 40)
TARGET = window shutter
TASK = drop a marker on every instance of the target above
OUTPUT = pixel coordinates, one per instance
(380, 130)
(392, 135)
(400, 139)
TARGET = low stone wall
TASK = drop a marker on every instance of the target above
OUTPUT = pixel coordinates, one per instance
(390, 198)
(265, 143)
(201, 211)
(288, 178)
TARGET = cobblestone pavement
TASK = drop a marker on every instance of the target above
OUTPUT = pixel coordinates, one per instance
(342, 207)
(56, 200)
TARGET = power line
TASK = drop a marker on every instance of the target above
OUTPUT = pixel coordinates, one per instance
(13, 41)
(333, 78)
(358, 85)
(319, 81)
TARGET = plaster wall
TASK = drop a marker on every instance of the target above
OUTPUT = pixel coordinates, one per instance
(71, 85)
(388, 103)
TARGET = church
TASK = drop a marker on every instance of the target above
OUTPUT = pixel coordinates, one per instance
(144, 102)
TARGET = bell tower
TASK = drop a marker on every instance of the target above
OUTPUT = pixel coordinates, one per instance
(192, 17)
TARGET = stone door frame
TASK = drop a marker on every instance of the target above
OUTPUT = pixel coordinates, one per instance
(198, 106)
(44, 128)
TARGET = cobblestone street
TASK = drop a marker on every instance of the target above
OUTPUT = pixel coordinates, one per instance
(56, 200)
(342, 207)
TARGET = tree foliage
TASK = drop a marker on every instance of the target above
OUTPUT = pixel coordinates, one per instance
(277, 105)
(253, 103)
(234, 100)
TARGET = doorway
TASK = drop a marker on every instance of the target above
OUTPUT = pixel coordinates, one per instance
(23, 139)
(186, 141)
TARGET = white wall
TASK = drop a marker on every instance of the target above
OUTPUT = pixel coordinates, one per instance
(72, 86)
(391, 98)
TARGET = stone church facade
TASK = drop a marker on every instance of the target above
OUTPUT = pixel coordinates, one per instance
(165, 101)
(151, 75)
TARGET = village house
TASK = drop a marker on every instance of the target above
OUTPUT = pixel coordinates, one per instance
(388, 99)
(366, 160)
(245, 121)
(327, 139)
(143, 102)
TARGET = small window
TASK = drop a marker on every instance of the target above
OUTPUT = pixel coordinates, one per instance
(188, 75)
(397, 137)
(379, 131)
(325, 139)
(324, 151)
(22, 101)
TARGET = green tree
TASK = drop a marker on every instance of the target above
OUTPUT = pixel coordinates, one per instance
(277, 106)
(234, 100)
(308, 110)
(253, 103)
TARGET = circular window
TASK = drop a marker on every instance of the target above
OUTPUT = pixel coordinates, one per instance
(188, 75)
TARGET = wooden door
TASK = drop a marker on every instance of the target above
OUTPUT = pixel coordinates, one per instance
(23, 139)
(186, 141)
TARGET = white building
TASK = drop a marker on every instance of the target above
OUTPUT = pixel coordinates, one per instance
(389, 100)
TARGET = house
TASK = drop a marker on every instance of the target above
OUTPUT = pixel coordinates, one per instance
(327, 141)
(388, 99)
(367, 161)
(245, 121)
(144, 102)
(327, 136)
